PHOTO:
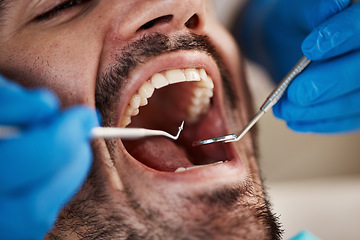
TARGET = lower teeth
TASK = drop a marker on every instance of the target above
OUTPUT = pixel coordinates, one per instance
(182, 169)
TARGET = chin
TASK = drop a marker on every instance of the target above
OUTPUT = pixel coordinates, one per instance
(157, 188)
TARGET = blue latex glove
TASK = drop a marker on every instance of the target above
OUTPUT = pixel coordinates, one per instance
(45, 166)
(304, 235)
(325, 98)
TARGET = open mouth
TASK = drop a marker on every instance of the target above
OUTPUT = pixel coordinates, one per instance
(162, 102)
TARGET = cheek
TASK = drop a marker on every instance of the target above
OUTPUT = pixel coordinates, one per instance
(226, 46)
(67, 69)
(228, 49)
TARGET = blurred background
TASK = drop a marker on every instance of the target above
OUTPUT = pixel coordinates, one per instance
(313, 180)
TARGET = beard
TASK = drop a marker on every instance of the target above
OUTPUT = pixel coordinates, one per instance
(232, 212)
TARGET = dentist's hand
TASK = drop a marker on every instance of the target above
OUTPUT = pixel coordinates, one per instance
(41, 169)
(325, 98)
(305, 235)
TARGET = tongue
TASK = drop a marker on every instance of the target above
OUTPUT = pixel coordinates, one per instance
(158, 153)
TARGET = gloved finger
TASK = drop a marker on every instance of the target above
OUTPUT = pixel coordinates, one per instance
(338, 35)
(344, 106)
(305, 235)
(326, 80)
(19, 106)
(342, 125)
(283, 28)
(42, 151)
(36, 208)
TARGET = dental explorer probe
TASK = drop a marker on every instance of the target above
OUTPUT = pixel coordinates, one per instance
(269, 102)
(132, 133)
(105, 132)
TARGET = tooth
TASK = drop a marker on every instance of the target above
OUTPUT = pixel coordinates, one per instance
(135, 101)
(192, 75)
(196, 110)
(205, 101)
(180, 169)
(146, 90)
(135, 112)
(215, 163)
(158, 81)
(194, 113)
(175, 76)
(210, 82)
(206, 82)
(194, 167)
(196, 101)
(207, 165)
(128, 111)
(203, 74)
(198, 92)
(126, 120)
(208, 93)
(131, 111)
(143, 102)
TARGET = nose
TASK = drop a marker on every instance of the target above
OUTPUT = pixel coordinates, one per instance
(161, 16)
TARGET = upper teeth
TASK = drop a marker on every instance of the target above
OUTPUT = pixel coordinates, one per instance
(201, 93)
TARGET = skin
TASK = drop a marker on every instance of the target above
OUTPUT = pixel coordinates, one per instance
(73, 52)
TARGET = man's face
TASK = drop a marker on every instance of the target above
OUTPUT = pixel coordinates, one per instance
(151, 64)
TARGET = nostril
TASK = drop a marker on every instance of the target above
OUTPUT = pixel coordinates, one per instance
(159, 20)
(193, 22)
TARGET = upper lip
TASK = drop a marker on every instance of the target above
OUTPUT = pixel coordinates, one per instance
(180, 60)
